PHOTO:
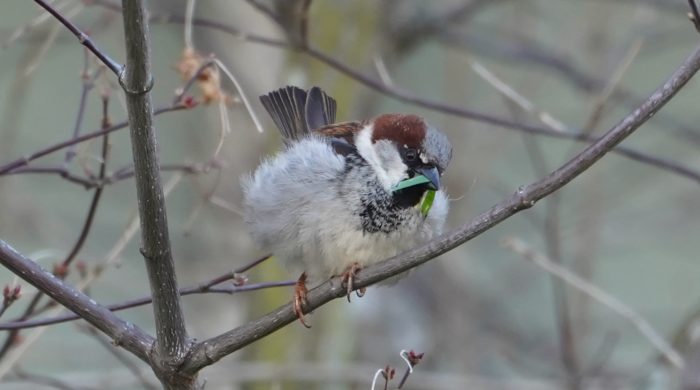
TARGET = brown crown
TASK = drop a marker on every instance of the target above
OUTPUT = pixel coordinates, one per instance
(402, 129)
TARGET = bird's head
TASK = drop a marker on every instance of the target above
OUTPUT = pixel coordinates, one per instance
(408, 155)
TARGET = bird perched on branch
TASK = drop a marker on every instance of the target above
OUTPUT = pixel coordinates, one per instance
(341, 196)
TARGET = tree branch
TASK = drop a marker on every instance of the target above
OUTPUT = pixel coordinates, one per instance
(120, 356)
(137, 81)
(26, 324)
(601, 296)
(23, 161)
(209, 351)
(123, 333)
(84, 39)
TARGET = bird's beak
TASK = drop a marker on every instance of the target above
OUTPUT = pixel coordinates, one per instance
(431, 173)
(425, 175)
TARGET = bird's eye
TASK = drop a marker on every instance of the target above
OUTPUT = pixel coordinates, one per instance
(410, 154)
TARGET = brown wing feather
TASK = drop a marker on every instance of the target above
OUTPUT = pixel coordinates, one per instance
(342, 136)
(343, 130)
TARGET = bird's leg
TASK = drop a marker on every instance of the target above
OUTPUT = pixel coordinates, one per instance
(300, 291)
(348, 279)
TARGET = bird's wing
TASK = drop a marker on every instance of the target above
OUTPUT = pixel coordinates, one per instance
(342, 136)
(297, 112)
(345, 130)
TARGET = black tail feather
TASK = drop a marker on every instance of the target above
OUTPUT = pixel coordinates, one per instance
(320, 109)
(297, 112)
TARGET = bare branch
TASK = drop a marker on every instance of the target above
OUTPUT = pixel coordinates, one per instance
(137, 81)
(87, 225)
(199, 289)
(120, 356)
(123, 333)
(45, 380)
(84, 39)
(601, 296)
(412, 359)
(88, 83)
(10, 294)
(204, 287)
(304, 23)
(53, 170)
(20, 162)
(694, 15)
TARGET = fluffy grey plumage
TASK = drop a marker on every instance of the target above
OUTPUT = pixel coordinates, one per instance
(327, 200)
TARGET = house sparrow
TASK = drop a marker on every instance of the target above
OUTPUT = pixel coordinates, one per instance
(344, 195)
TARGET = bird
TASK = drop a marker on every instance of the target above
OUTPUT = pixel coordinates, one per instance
(342, 196)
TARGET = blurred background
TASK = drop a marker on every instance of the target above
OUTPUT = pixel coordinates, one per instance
(484, 315)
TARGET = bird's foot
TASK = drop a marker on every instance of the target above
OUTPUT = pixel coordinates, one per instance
(300, 292)
(349, 278)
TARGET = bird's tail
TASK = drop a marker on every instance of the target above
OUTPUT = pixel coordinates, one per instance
(297, 112)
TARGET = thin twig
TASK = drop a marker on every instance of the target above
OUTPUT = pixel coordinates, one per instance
(189, 14)
(34, 23)
(612, 85)
(190, 169)
(694, 15)
(10, 295)
(514, 96)
(118, 175)
(386, 373)
(304, 23)
(412, 359)
(12, 337)
(561, 304)
(44, 380)
(265, 10)
(55, 170)
(88, 83)
(83, 38)
(120, 356)
(180, 94)
(21, 162)
(87, 225)
(639, 322)
(198, 289)
(47, 44)
(382, 70)
(241, 93)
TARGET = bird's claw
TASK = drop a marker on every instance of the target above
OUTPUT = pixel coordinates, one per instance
(300, 292)
(349, 278)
